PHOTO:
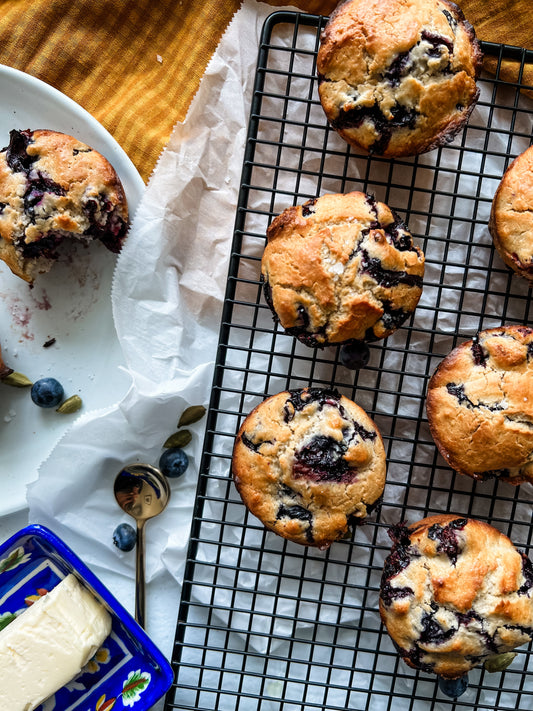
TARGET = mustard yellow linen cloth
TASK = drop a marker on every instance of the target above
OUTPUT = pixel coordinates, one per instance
(135, 65)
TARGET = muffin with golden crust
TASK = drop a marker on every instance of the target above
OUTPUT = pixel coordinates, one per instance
(511, 216)
(54, 187)
(480, 405)
(455, 592)
(341, 268)
(309, 463)
(398, 77)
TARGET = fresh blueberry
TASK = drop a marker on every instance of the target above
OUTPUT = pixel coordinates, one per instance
(47, 392)
(354, 355)
(453, 687)
(125, 537)
(173, 462)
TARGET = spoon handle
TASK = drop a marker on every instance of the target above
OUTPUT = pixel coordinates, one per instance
(140, 597)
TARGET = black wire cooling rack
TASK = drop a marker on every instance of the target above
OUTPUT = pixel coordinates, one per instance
(265, 624)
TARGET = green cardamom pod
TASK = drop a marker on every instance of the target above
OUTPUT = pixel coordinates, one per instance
(178, 439)
(499, 662)
(191, 415)
(70, 405)
(17, 380)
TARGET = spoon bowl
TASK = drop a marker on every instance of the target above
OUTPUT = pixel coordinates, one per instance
(143, 492)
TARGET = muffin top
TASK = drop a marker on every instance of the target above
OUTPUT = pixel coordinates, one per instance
(341, 267)
(480, 405)
(454, 592)
(309, 463)
(53, 186)
(511, 217)
(398, 77)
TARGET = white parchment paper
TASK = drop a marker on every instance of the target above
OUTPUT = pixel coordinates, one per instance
(167, 298)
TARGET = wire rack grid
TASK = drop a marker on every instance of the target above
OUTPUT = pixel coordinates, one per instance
(265, 624)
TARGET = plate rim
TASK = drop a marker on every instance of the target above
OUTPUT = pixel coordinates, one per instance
(132, 177)
(77, 108)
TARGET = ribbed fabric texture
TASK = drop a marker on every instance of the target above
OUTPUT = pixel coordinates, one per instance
(136, 65)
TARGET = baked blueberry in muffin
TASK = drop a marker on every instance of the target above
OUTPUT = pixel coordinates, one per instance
(454, 593)
(309, 463)
(341, 268)
(398, 77)
(54, 187)
(511, 217)
(480, 405)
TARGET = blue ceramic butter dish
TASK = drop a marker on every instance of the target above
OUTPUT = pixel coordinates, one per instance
(128, 671)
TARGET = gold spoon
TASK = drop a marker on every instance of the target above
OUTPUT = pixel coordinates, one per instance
(142, 491)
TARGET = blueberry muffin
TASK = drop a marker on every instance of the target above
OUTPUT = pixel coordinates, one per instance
(53, 187)
(341, 268)
(455, 592)
(309, 464)
(480, 405)
(398, 77)
(511, 217)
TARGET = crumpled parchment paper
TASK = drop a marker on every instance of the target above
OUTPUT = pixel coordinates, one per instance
(167, 297)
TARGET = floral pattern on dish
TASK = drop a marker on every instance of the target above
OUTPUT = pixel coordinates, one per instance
(33, 563)
(132, 689)
(14, 559)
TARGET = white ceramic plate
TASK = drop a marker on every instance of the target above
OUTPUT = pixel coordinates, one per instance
(71, 304)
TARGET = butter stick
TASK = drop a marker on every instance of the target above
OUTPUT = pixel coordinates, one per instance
(49, 643)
